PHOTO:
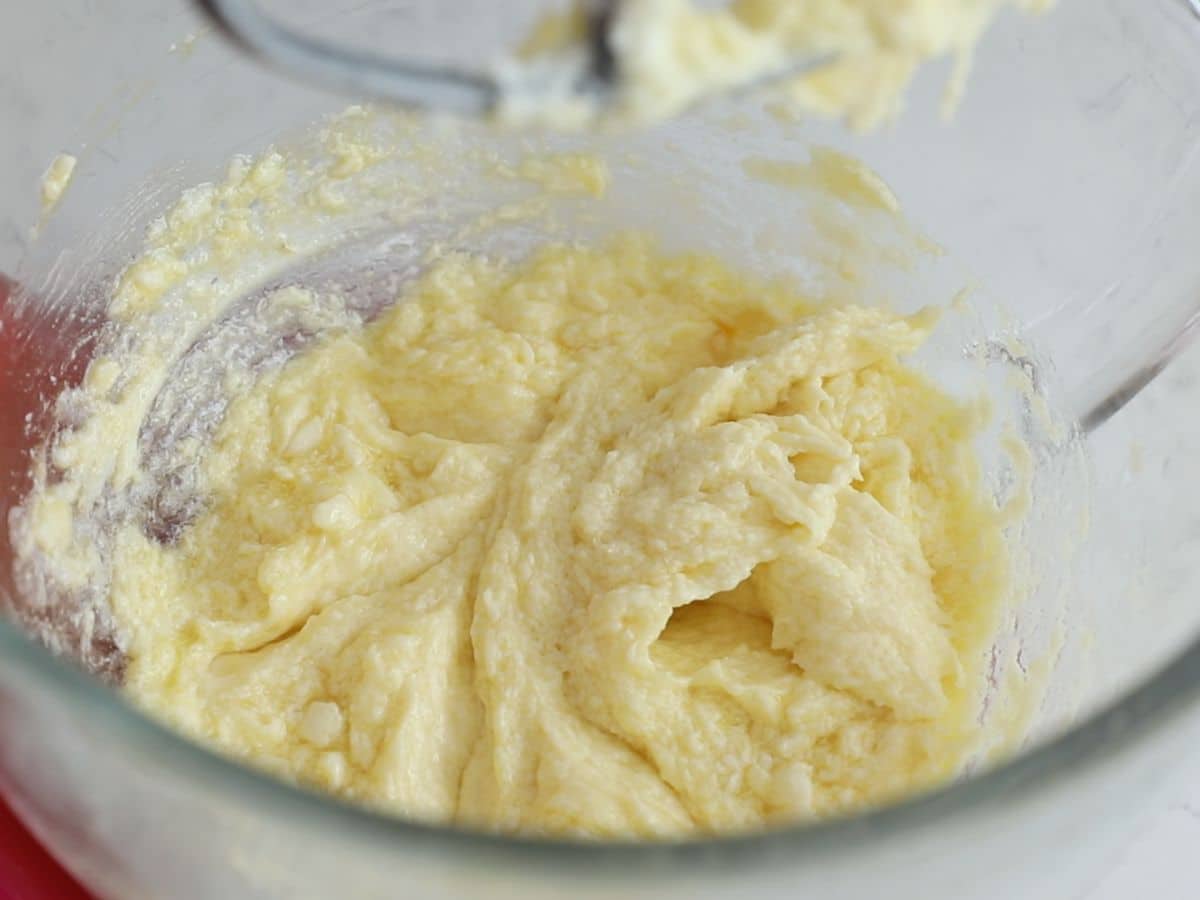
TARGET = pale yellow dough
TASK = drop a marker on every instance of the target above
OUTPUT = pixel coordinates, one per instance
(851, 59)
(606, 543)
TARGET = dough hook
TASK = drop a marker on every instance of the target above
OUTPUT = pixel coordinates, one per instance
(424, 86)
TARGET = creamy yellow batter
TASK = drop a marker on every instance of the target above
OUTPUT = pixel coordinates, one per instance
(55, 181)
(605, 542)
(609, 542)
(854, 58)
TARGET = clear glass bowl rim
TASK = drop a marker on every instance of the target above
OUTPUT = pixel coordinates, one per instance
(1115, 729)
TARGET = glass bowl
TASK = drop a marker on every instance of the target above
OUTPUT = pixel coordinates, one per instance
(1066, 190)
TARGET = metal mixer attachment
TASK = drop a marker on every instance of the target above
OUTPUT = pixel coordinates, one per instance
(593, 79)
(374, 75)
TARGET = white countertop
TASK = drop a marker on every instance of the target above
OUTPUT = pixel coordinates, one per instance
(1159, 861)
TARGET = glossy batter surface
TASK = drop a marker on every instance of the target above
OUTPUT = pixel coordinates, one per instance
(608, 542)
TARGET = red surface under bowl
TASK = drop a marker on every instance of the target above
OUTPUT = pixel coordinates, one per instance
(27, 872)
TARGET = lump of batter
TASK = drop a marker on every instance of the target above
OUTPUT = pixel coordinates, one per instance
(854, 58)
(604, 543)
